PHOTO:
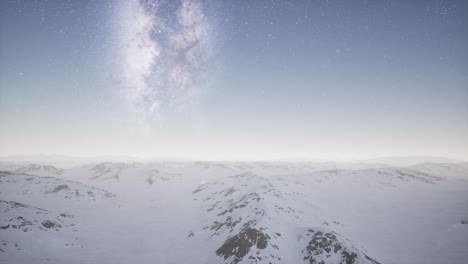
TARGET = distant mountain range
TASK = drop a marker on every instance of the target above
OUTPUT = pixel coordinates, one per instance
(69, 161)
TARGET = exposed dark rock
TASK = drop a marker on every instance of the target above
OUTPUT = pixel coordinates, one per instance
(239, 245)
(50, 224)
(60, 188)
(324, 244)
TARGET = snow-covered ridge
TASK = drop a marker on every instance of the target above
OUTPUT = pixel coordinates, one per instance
(25, 218)
(260, 217)
(21, 185)
(32, 168)
(39, 170)
(19, 222)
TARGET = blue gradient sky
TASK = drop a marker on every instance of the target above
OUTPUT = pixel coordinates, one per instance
(286, 79)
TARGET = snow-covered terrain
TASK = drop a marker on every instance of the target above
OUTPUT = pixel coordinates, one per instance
(234, 212)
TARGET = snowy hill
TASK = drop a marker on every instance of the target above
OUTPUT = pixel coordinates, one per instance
(21, 223)
(258, 219)
(39, 170)
(31, 187)
(234, 212)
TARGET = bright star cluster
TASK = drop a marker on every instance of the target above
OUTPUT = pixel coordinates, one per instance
(164, 54)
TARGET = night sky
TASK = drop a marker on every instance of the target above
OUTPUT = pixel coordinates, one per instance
(234, 79)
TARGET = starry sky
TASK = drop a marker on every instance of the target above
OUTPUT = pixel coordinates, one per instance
(206, 79)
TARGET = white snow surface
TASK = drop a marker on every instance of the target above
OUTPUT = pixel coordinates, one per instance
(234, 212)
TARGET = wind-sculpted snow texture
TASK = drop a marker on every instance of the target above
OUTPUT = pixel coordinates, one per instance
(234, 212)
